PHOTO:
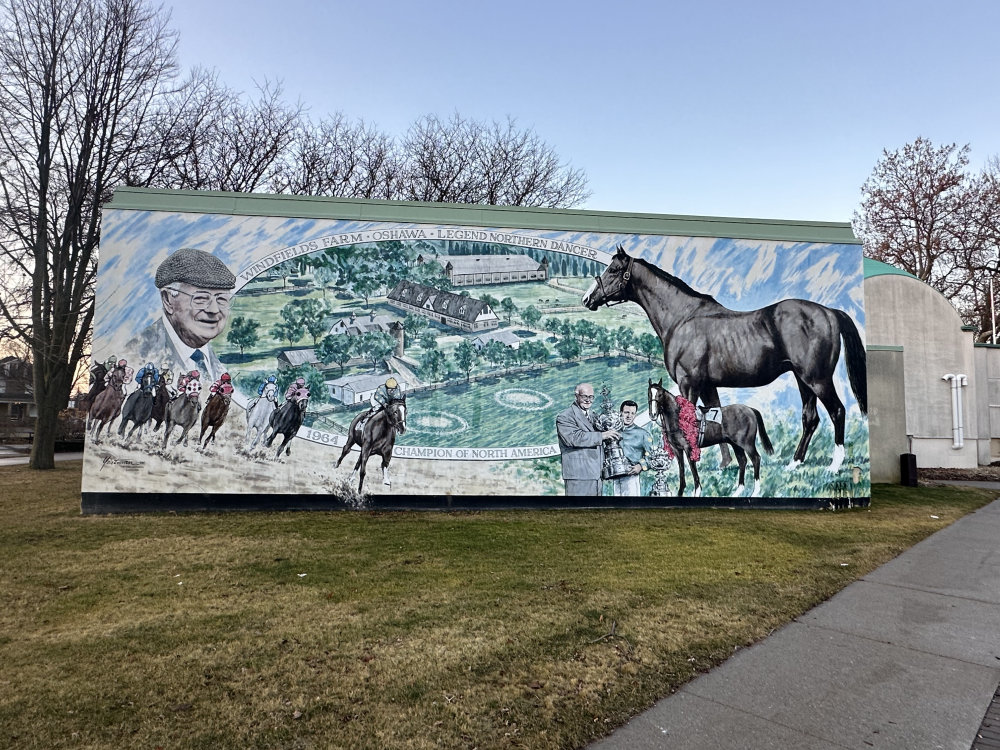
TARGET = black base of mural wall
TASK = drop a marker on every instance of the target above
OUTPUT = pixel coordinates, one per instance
(98, 503)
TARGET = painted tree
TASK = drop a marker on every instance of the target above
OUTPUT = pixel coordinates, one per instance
(508, 306)
(625, 338)
(604, 340)
(314, 313)
(650, 345)
(291, 326)
(414, 325)
(432, 365)
(493, 352)
(428, 340)
(368, 272)
(466, 357)
(337, 348)
(325, 276)
(430, 273)
(375, 346)
(568, 348)
(531, 315)
(243, 333)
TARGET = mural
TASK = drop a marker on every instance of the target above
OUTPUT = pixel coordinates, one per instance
(358, 362)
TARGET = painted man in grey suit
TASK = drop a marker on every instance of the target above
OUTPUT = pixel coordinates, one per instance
(581, 444)
(195, 292)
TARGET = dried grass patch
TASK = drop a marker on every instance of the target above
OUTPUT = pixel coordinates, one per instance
(406, 630)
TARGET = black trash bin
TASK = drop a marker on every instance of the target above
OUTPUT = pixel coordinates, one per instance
(908, 469)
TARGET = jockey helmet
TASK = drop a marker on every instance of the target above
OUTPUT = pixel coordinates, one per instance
(300, 381)
(122, 362)
(391, 383)
(272, 379)
(225, 377)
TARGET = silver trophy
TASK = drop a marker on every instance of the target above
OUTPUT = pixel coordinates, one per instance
(615, 463)
(659, 461)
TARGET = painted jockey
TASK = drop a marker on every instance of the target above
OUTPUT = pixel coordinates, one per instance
(271, 380)
(264, 384)
(167, 378)
(223, 385)
(388, 391)
(297, 390)
(186, 378)
(148, 367)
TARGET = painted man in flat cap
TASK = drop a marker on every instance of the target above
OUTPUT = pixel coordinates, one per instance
(195, 291)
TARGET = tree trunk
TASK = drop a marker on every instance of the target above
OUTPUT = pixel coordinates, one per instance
(43, 445)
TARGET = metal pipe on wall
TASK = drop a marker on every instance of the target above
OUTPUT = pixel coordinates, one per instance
(962, 381)
(956, 435)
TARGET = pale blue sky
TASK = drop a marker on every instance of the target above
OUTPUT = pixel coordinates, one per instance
(762, 109)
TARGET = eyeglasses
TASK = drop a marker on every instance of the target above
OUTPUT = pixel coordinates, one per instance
(203, 300)
(585, 398)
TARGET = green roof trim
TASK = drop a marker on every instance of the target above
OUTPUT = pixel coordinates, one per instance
(356, 209)
(878, 268)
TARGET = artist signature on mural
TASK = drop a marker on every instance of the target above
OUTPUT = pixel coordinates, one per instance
(125, 463)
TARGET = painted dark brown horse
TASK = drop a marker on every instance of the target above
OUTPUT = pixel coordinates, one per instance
(707, 346)
(376, 437)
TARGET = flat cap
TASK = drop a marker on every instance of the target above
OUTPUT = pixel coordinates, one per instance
(195, 267)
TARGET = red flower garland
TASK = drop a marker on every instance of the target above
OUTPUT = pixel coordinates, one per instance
(689, 426)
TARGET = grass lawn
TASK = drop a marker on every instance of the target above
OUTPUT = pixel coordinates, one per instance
(417, 630)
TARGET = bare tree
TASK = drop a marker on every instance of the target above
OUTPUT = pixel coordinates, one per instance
(464, 161)
(337, 157)
(78, 81)
(214, 138)
(923, 212)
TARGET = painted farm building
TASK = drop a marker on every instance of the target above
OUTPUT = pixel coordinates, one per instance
(470, 270)
(355, 325)
(447, 308)
(506, 337)
(356, 389)
(297, 357)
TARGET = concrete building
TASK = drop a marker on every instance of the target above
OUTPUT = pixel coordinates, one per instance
(932, 390)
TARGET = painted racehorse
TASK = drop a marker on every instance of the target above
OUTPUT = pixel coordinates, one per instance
(740, 427)
(377, 436)
(183, 411)
(161, 397)
(108, 403)
(259, 414)
(138, 407)
(707, 346)
(216, 409)
(286, 422)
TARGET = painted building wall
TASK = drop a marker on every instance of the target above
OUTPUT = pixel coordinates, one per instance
(474, 428)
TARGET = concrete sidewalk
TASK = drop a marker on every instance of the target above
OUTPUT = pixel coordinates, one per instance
(12, 455)
(906, 658)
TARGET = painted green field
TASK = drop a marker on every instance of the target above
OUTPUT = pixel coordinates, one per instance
(518, 409)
